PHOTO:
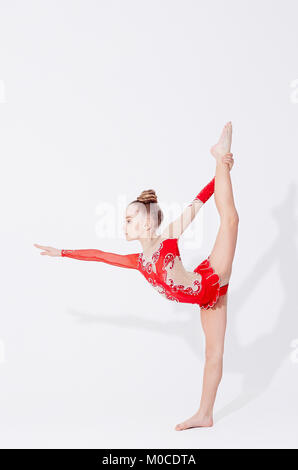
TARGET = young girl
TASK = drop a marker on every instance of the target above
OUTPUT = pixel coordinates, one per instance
(161, 265)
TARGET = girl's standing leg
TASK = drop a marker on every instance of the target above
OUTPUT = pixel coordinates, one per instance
(214, 322)
(214, 326)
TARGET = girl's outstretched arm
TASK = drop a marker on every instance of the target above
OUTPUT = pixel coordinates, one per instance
(178, 226)
(124, 261)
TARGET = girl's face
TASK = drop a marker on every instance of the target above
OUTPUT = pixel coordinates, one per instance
(135, 221)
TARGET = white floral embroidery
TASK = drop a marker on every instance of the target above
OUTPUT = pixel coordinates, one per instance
(145, 266)
(169, 264)
(149, 266)
(161, 290)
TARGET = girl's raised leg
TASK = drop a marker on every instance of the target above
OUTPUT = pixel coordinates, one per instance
(222, 254)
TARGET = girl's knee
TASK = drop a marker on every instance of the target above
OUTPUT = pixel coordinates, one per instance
(214, 356)
(230, 218)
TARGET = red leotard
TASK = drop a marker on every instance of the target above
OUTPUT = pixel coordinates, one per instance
(164, 270)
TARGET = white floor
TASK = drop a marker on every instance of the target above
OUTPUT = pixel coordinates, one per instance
(95, 402)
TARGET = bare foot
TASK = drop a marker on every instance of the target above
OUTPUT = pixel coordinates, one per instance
(223, 146)
(195, 421)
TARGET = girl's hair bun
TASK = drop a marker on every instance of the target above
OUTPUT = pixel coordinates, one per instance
(147, 196)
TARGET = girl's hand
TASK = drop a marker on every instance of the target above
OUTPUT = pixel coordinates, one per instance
(229, 160)
(49, 250)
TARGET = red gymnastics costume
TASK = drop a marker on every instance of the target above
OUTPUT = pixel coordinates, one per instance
(165, 271)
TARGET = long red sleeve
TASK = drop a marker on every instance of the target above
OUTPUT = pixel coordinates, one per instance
(124, 261)
(206, 192)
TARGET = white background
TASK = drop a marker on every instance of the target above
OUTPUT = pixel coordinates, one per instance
(99, 101)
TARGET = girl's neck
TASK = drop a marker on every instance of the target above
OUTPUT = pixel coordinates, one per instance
(150, 244)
